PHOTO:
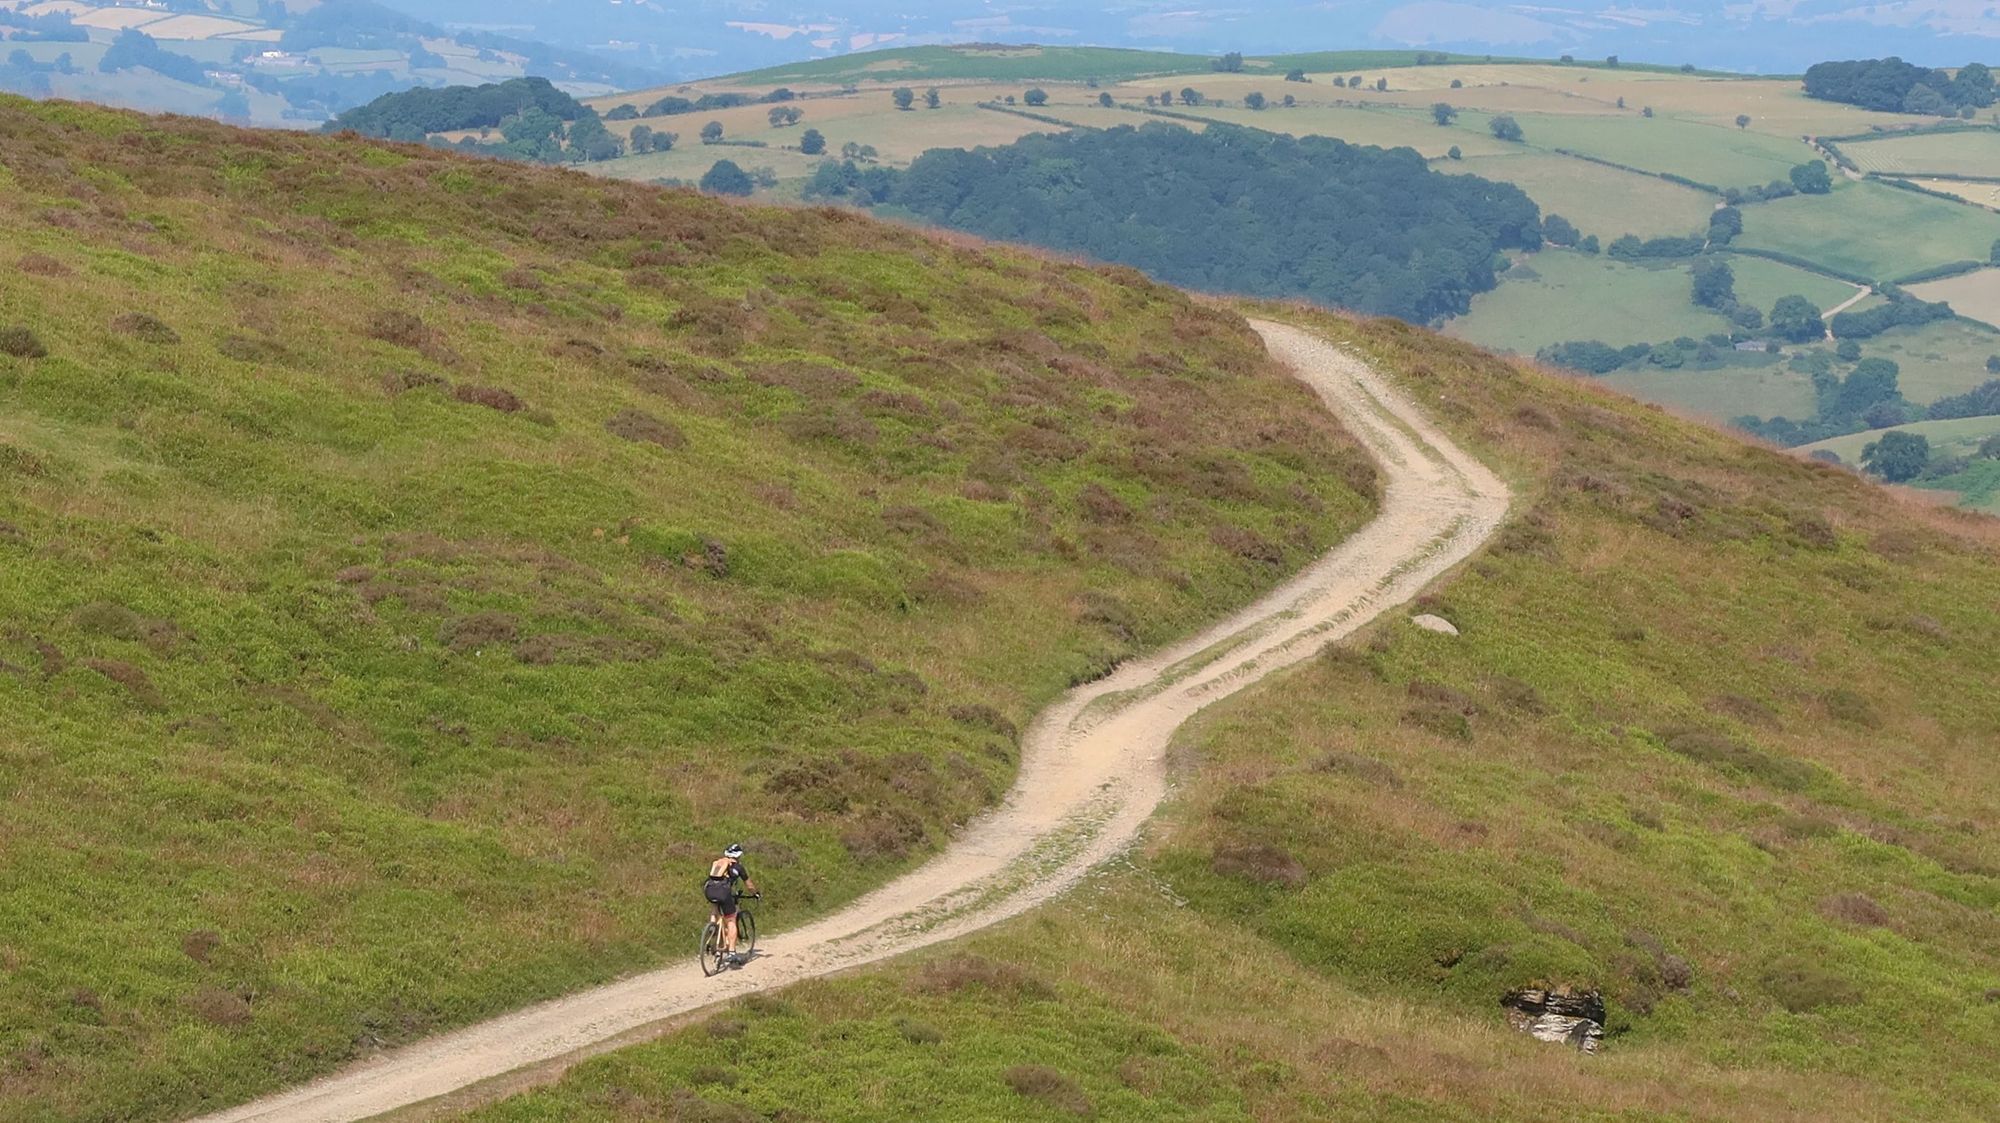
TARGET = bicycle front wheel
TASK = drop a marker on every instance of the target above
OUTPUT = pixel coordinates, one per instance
(711, 948)
(746, 932)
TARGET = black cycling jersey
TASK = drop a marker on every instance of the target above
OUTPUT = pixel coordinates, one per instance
(729, 875)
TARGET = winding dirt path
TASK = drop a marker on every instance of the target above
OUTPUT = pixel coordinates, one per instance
(1092, 772)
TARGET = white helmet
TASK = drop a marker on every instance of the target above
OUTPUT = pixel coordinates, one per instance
(734, 850)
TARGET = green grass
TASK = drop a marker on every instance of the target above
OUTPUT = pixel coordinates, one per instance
(1956, 437)
(1712, 740)
(1383, 128)
(412, 566)
(1715, 154)
(1871, 230)
(1742, 385)
(1541, 301)
(1938, 359)
(1604, 201)
(1761, 281)
(1975, 153)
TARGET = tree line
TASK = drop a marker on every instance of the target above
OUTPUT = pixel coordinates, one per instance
(1228, 209)
(413, 115)
(1894, 86)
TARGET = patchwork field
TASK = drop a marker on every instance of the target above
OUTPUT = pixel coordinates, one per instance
(1382, 126)
(1976, 295)
(1974, 152)
(1715, 154)
(1759, 386)
(1972, 191)
(1870, 229)
(1559, 295)
(1598, 200)
(1761, 281)
(1938, 360)
(1957, 437)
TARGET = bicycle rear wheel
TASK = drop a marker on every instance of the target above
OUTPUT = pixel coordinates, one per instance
(711, 948)
(746, 931)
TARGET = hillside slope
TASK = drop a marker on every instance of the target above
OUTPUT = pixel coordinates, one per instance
(414, 565)
(1716, 738)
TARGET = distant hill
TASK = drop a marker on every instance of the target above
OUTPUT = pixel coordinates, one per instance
(262, 64)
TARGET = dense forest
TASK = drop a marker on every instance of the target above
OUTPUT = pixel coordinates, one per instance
(414, 114)
(1234, 210)
(1892, 85)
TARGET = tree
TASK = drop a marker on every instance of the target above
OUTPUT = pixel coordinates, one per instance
(1558, 231)
(1993, 255)
(932, 98)
(1621, 102)
(1443, 113)
(1231, 63)
(1797, 319)
(782, 116)
(626, 112)
(712, 132)
(1254, 100)
(1381, 85)
(1811, 178)
(1742, 120)
(1847, 351)
(1190, 96)
(1453, 153)
(1993, 364)
(1714, 283)
(725, 178)
(1036, 96)
(1340, 82)
(590, 141)
(812, 142)
(1505, 128)
(1898, 456)
(1872, 383)
(1611, 60)
(1458, 83)
(1588, 244)
(1289, 101)
(904, 97)
(641, 138)
(1296, 74)
(1647, 113)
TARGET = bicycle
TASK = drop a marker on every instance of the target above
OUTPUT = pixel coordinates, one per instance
(713, 959)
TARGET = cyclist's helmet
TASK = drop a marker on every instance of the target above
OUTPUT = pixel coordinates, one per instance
(734, 850)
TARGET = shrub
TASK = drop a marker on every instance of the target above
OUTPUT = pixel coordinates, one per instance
(403, 381)
(21, 462)
(199, 944)
(1854, 908)
(1040, 1082)
(918, 1033)
(103, 618)
(963, 972)
(641, 427)
(1802, 985)
(227, 1009)
(1267, 865)
(146, 328)
(492, 397)
(22, 344)
(468, 634)
(1845, 705)
(132, 679)
(1727, 754)
(1364, 768)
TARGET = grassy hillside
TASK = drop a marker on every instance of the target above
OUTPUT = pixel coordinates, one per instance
(1715, 738)
(412, 566)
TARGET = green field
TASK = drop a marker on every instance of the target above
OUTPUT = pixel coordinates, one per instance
(1975, 294)
(1714, 154)
(1008, 64)
(1560, 295)
(1383, 127)
(412, 565)
(1714, 740)
(1598, 200)
(1871, 230)
(1957, 437)
(1761, 281)
(1939, 359)
(1756, 385)
(1970, 152)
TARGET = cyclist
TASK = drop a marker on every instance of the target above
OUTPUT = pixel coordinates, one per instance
(720, 889)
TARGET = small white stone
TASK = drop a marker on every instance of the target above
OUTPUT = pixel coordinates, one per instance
(1436, 624)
